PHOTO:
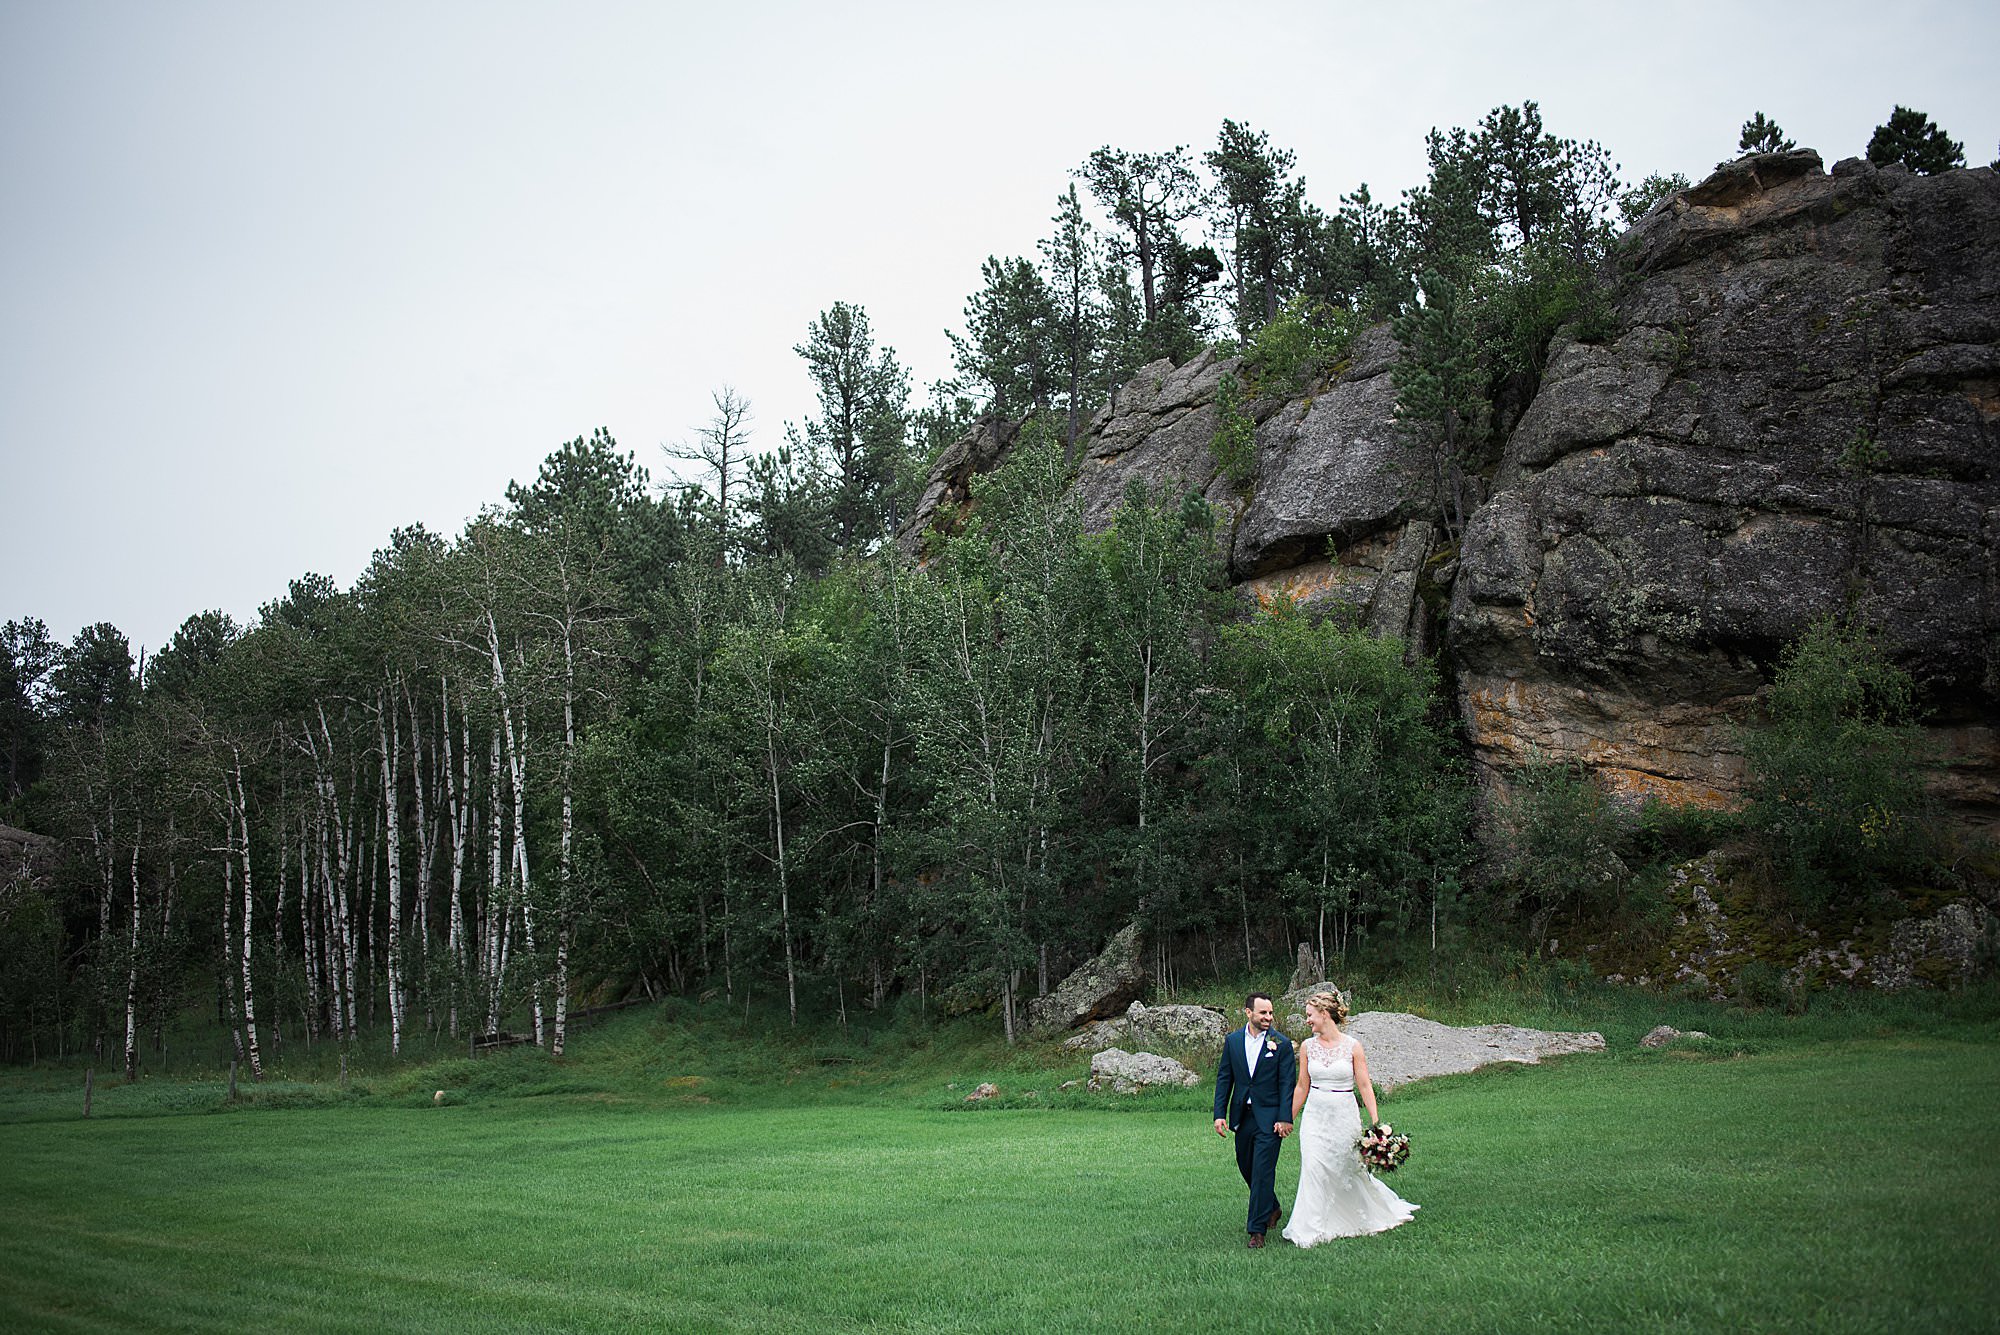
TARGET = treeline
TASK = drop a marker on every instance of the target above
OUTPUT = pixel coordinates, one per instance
(724, 735)
(595, 743)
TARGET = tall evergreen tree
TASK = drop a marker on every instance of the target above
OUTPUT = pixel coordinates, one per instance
(1010, 338)
(1913, 139)
(862, 429)
(27, 655)
(1071, 259)
(1255, 200)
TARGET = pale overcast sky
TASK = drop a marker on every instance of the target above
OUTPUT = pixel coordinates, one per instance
(279, 278)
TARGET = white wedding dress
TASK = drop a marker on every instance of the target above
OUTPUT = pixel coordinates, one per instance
(1337, 1197)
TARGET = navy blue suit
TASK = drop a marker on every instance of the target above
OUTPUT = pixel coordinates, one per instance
(1253, 1105)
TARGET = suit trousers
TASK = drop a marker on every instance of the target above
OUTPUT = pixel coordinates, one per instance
(1257, 1160)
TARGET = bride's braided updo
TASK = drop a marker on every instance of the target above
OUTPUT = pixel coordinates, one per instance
(1331, 1003)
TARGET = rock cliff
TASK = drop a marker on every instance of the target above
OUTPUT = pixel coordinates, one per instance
(1795, 410)
(1794, 413)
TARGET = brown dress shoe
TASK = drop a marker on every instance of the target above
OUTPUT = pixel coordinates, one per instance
(1256, 1240)
(1277, 1213)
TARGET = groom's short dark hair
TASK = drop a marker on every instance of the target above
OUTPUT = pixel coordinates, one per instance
(1250, 1002)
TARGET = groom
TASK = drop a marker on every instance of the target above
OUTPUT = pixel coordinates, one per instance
(1253, 1098)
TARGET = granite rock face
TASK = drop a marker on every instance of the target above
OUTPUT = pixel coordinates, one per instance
(1796, 412)
(1793, 410)
(948, 490)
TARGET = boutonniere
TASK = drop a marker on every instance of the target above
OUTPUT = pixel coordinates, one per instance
(1270, 1047)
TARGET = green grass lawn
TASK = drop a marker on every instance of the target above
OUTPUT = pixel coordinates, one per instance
(1826, 1176)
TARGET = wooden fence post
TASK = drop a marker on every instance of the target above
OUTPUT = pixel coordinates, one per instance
(89, 1084)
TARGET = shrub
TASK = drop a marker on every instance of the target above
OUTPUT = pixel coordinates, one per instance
(1235, 443)
(1560, 834)
(1299, 345)
(1835, 771)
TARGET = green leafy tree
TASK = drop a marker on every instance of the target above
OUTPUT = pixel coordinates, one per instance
(789, 505)
(1442, 393)
(771, 669)
(1451, 234)
(1234, 443)
(1293, 351)
(1154, 570)
(1836, 771)
(1357, 259)
(1637, 202)
(1359, 809)
(1558, 847)
(1763, 136)
(93, 683)
(1913, 139)
(999, 631)
(1123, 345)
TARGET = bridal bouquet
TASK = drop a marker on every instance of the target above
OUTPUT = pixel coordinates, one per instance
(1382, 1150)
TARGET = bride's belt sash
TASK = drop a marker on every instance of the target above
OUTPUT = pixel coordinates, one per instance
(1332, 1089)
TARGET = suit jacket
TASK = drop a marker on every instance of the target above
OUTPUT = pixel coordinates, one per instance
(1268, 1092)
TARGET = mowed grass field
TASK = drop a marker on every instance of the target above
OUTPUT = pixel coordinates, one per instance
(1849, 1181)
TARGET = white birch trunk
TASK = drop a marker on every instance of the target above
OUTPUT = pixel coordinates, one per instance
(517, 770)
(283, 868)
(388, 735)
(499, 906)
(241, 802)
(231, 981)
(457, 794)
(132, 965)
(784, 879)
(564, 907)
(309, 939)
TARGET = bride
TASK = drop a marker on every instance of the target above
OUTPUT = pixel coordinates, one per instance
(1337, 1198)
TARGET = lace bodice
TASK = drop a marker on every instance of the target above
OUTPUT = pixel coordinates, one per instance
(1331, 1064)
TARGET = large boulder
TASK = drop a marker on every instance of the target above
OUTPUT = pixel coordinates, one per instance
(1947, 948)
(1129, 1072)
(1291, 1007)
(1183, 1026)
(1099, 990)
(1793, 413)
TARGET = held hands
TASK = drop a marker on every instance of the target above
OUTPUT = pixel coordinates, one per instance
(1282, 1128)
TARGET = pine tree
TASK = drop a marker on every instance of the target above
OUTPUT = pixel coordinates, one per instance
(1911, 138)
(1763, 136)
(863, 425)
